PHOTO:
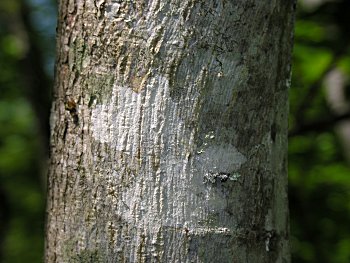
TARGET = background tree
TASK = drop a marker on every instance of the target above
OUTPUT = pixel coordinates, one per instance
(169, 132)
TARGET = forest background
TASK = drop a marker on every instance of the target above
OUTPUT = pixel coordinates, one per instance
(319, 137)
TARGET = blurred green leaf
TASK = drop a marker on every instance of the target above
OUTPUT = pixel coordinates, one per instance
(13, 46)
(309, 30)
(311, 62)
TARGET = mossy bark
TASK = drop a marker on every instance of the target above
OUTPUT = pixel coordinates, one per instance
(169, 132)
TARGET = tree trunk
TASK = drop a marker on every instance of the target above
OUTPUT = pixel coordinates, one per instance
(169, 132)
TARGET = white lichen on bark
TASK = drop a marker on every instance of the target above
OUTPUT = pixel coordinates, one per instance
(133, 128)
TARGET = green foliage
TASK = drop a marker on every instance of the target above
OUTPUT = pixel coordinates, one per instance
(319, 182)
(20, 173)
(22, 158)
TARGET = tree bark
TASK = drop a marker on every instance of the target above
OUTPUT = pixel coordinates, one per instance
(169, 132)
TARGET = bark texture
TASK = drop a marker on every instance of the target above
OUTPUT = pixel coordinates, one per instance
(169, 131)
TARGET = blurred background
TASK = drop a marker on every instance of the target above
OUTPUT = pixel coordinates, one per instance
(319, 138)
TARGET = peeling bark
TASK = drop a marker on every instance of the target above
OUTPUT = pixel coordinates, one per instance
(169, 132)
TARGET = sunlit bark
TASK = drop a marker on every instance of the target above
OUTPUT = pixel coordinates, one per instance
(169, 132)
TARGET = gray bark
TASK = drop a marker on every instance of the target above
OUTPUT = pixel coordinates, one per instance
(169, 132)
